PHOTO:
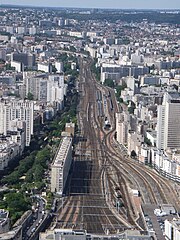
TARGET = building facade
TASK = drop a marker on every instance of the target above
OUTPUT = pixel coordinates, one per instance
(21, 110)
(168, 122)
(61, 165)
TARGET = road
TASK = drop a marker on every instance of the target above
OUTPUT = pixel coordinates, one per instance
(37, 219)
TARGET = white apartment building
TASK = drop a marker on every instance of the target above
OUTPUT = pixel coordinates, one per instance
(59, 66)
(61, 165)
(76, 34)
(8, 150)
(10, 29)
(45, 67)
(56, 91)
(13, 109)
(19, 67)
(168, 122)
(21, 30)
(172, 229)
(121, 128)
(11, 145)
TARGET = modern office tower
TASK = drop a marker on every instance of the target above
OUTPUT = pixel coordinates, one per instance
(27, 59)
(168, 122)
(61, 165)
(16, 109)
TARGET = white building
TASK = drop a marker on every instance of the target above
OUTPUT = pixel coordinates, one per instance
(168, 122)
(13, 109)
(45, 67)
(10, 29)
(61, 165)
(172, 229)
(21, 30)
(59, 67)
(56, 90)
(19, 67)
(121, 128)
(11, 147)
(64, 234)
(92, 34)
(32, 30)
(76, 34)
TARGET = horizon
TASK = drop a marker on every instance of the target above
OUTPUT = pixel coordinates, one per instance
(84, 4)
(73, 7)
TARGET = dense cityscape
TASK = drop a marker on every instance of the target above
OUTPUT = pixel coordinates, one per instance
(89, 124)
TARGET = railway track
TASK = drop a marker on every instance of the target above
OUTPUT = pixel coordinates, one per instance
(90, 210)
(90, 203)
(162, 191)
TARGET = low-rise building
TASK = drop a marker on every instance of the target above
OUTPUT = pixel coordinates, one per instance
(64, 234)
(45, 67)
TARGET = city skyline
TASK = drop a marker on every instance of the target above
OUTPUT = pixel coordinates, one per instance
(129, 4)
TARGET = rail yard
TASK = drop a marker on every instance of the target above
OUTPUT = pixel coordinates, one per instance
(99, 195)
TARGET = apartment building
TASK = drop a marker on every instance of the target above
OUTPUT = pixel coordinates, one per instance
(13, 109)
(61, 165)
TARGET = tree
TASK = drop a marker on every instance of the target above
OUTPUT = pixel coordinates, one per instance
(147, 141)
(109, 82)
(29, 176)
(16, 204)
(30, 96)
(54, 69)
(12, 178)
(133, 154)
(131, 110)
(38, 173)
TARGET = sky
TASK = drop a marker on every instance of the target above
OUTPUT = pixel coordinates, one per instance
(135, 4)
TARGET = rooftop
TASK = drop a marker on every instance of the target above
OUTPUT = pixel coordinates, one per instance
(62, 152)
